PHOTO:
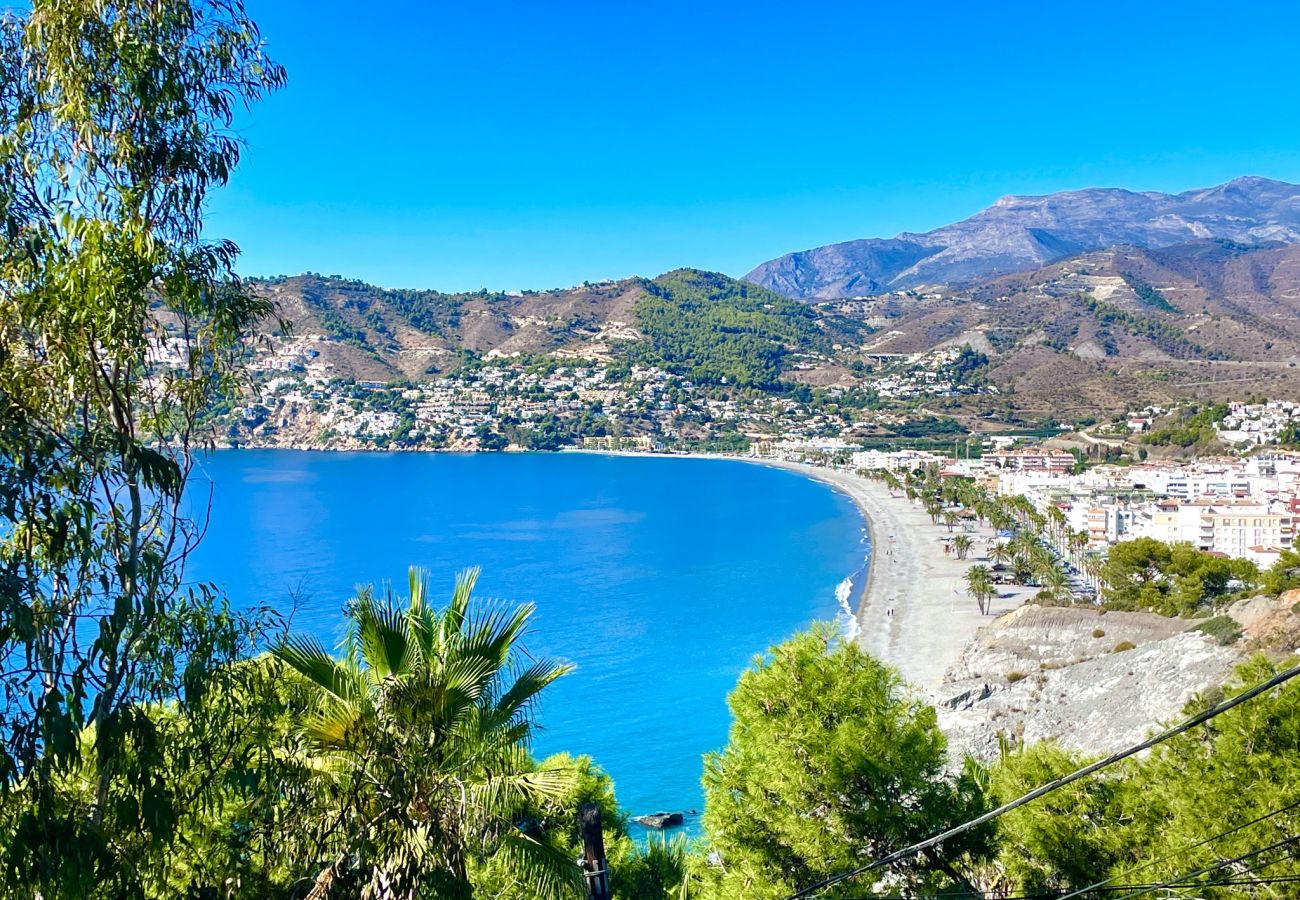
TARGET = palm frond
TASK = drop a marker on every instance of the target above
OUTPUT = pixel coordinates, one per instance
(545, 870)
(494, 631)
(528, 685)
(383, 636)
(334, 725)
(306, 656)
(421, 620)
(453, 617)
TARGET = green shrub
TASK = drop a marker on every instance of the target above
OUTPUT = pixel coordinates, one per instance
(1013, 677)
(1223, 629)
(1098, 633)
(1124, 645)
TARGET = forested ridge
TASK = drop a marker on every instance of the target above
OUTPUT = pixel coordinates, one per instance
(718, 330)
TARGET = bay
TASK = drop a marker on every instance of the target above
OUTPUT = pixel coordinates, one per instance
(660, 579)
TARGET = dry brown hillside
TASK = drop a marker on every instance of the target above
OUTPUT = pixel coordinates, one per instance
(1107, 329)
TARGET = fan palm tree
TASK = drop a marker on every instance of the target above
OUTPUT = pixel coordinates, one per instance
(1000, 519)
(423, 728)
(962, 544)
(1021, 568)
(933, 509)
(1059, 525)
(1024, 544)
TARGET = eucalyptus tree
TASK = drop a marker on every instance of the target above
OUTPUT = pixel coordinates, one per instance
(422, 731)
(119, 325)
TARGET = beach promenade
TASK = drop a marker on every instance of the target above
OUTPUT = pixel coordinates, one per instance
(932, 618)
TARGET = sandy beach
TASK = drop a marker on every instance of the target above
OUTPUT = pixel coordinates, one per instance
(932, 617)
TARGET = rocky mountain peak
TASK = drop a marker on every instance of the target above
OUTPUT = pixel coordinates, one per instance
(1021, 232)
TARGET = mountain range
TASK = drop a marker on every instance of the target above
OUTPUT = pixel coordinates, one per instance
(1022, 233)
(1083, 302)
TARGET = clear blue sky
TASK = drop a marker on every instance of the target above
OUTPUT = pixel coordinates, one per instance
(511, 145)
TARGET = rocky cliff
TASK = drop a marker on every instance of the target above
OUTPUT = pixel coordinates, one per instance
(1093, 682)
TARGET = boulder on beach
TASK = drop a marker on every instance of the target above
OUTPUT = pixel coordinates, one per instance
(660, 819)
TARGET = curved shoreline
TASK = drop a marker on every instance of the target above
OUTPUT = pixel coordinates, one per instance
(912, 611)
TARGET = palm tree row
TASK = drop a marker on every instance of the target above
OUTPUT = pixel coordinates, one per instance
(1037, 543)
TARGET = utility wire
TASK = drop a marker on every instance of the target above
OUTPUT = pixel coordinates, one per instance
(1222, 882)
(1107, 885)
(1210, 840)
(1185, 880)
(907, 852)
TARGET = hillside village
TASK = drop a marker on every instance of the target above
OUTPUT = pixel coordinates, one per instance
(1242, 507)
(300, 399)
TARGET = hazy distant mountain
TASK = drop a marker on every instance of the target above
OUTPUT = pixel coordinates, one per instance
(1020, 233)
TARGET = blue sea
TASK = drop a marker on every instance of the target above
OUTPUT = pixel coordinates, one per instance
(660, 579)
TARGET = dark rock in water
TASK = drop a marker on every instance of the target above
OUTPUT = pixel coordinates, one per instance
(660, 819)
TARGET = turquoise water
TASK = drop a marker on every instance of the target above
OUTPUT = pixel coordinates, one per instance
(659, 578)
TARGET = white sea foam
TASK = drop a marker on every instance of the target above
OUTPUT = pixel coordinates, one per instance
(849, 622)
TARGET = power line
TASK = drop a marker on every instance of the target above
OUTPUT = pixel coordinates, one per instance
(1221, 882)
(907, 852)
(1186, 877)
(1210, 840)
(1183, 881)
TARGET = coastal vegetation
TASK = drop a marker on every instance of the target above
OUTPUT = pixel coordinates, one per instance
(1203, 798)
(157, 743)
(422, 729)
(1171, 579)
(717, 330)
(119, 324)
(825, 742)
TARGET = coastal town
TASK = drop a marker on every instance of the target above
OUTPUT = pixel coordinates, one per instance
(544, 403)
(579, 478)
(1240, 508)
(1242, 500)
